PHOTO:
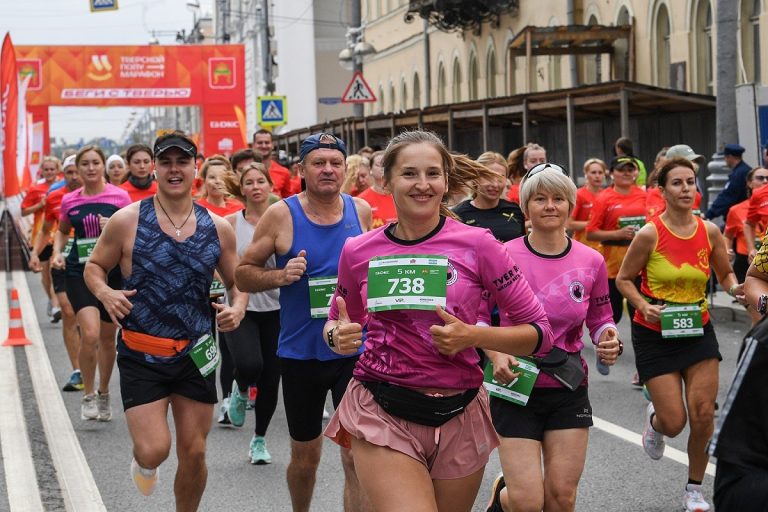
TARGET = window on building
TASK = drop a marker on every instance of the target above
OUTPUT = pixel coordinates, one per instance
(490, 74)
(382, 107)
(591, 62)
(456, 81)
(509, 74)
(750, 39)
(392, 97)
(416, 91)
(403, 95)
(441, 85)
(663, 32)
(473, 78)
(704, 67)
(620, 48)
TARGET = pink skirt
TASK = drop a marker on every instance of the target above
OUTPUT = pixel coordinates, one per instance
(456, 449)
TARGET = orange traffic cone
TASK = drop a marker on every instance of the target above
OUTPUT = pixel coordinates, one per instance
(16, 335)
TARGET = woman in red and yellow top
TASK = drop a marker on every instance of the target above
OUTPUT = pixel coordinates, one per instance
(738, 229)
(617, 214)
(757, 215)
(216, 172)
(594, 176)
(676, 351)
(654, 202)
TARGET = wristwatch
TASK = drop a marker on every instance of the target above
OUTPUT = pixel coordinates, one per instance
(762, 304)
(329, 337)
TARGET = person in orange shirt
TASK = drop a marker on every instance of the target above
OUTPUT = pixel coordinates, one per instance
(140, 183)
(382, 204)
(757, 213)
(520, 162)
(358, 175)
(281, 177)
(617, 214)
(216, 173)
(296, 187)
(594, 179)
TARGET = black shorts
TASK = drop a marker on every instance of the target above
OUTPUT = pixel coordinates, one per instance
(547, 409)
(142, 382)
(81, 297)
(46, 253)
(59, 280)
(305, 386)
(655, 356)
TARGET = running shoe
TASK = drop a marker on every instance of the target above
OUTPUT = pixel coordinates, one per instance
(144, 479)
(646, 393)
(653, 442)
(89, 410)
(326, 414)
(104, 407)
(259, 453)
(236, 406)
(223, 418)
(55, 315)
(693, 500)
(604, 369)
(494, 505)
(75, 382)
(253, 392)
(636, 380)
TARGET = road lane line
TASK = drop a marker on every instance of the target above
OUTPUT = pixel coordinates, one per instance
(20, 476)
(75, 478)
(634, 438)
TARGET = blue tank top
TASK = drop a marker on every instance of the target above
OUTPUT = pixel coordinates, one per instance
(301, 336)
(172, 280)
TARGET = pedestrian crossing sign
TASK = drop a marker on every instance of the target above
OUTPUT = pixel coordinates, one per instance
(103, 5)
(273, 110)
(358, 91)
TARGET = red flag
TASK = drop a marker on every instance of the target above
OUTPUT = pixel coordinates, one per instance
(9, 112)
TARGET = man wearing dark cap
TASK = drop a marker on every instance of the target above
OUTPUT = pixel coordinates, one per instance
(168, 247)
(735, 190)
(306, 233)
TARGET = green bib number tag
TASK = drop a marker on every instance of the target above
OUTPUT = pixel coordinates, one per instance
(85, 248)
(205, 355)
(681, 321)
(407, 282)
(635, 222)
(67, 248)
(320, 294)
(217, 288)
(519, 390)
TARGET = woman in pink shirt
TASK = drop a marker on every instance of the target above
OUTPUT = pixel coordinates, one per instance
(416, 414)
(544, 442)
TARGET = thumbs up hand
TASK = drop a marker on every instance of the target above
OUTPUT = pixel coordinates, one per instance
(451, 338)
(347, 335)
(295, 268)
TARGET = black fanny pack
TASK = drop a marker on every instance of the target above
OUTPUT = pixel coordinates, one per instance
(411, 405)
(564, 367)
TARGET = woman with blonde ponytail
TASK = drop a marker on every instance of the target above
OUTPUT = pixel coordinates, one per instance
(416, 414)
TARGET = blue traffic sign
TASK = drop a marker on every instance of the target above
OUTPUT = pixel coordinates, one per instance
(103, 5)
(272, 110)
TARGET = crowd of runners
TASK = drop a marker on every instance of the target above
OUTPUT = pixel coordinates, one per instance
(441, 300)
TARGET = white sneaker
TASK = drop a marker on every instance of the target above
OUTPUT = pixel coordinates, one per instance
(89, 410)
(145, 480)
(693, 500)
(103, 406)
(223, 418)
(326, 414)
(653, 442)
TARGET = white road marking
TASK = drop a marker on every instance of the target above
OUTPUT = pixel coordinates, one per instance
(634, 438)
(75, 478)
(20, 477)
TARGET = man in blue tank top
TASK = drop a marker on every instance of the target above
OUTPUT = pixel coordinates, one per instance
(167, 249)
(306, 232)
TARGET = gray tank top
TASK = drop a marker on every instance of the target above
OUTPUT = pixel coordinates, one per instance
(261, 301)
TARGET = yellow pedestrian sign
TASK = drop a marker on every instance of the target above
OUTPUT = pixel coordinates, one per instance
(358, 91)
(273, 110)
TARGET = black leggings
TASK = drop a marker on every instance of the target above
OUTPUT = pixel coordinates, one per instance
(253, 351)
(617, 301)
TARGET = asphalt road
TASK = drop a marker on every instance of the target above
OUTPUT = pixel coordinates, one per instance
(618, 475)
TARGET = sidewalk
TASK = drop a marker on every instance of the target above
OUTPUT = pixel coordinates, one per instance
(723, 308)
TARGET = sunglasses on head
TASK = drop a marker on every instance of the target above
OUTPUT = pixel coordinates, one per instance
(536, 169)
